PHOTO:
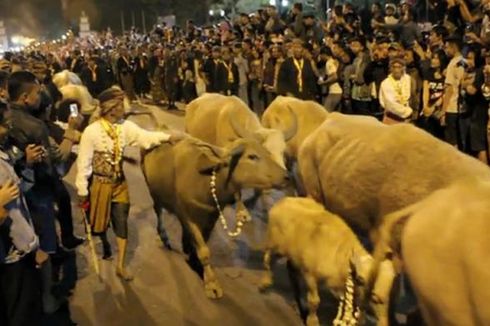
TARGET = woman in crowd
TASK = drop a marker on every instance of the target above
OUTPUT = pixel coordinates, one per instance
(433, 91)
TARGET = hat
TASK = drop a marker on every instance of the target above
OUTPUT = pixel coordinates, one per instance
(390, 5)
(398, 60)
(395, 46)
(109, 95)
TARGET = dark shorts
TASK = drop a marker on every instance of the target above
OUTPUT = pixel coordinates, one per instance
(119, 219)
(451, 133)
(478, 137)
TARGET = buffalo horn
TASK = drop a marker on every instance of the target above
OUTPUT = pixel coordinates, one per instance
(293, 128)
(237, 128)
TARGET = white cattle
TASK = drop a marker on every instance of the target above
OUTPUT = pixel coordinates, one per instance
(363, 170)
(443, 242)
(309, 115)
(319, 244)
(66, 77)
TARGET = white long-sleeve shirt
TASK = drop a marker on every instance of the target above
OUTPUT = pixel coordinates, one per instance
(96, 139)
(391, 99)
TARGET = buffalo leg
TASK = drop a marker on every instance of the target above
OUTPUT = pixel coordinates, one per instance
(313, 300)
(242, 213)
(267, 279)
(190, 251)
(294, 278)
(211, 286)
(161, 228)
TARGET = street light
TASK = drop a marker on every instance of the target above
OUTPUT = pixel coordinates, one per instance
(211, 12)
(222, 13)
(285, 3)
(272, 2)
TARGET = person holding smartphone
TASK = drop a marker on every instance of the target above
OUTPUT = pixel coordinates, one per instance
(20, 256)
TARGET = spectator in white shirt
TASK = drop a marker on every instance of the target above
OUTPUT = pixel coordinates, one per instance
(395, 94)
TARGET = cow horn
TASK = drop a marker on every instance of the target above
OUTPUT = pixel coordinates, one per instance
(293, 129)
(237, 128)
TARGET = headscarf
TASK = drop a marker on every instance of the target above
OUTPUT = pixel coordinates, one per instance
(106, 97)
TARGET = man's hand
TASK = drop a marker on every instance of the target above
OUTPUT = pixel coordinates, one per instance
(8, 193)
(34, 154)
(75, 123)
(176, 136)
(83, 202)
(41, 258)
(443, 120)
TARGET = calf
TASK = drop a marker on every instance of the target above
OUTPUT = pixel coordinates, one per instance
(319, 244)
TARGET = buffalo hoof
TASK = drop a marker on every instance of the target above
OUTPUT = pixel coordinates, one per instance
(312, 320)
(243, 215)
(213, 290)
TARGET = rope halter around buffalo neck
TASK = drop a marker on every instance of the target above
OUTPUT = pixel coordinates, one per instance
(348, 313)
(239, 224)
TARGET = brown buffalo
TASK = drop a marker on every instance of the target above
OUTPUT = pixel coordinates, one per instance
(220, 120)
(179, 178)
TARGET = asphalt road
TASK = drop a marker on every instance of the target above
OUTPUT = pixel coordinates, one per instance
(167, 292)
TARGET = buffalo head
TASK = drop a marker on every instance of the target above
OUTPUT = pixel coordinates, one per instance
(274, 140)
(247, 163)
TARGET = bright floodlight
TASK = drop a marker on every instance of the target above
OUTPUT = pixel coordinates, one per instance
(211, 13)
(222, 13)
(63, 37)
(285, 3)
(272, 2)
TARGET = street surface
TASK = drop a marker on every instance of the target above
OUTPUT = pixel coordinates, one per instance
(166, 291)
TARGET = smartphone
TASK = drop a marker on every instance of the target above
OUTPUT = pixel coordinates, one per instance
(73, 110)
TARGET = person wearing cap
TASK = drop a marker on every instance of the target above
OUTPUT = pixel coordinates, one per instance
(227, 75)
(395, 94)
(390, 19)
(296, 76)
(210, 68)
(100, 158)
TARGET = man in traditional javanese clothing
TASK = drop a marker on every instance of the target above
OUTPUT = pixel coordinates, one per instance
(100, 159)
(396, 94)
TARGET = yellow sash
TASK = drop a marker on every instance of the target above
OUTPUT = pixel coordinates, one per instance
(229, 67)
(94, 73)
(402, 91)
(299, 66)
(114, 132)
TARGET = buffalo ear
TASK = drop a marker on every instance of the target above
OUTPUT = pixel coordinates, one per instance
(208, 159)
(233, 157)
